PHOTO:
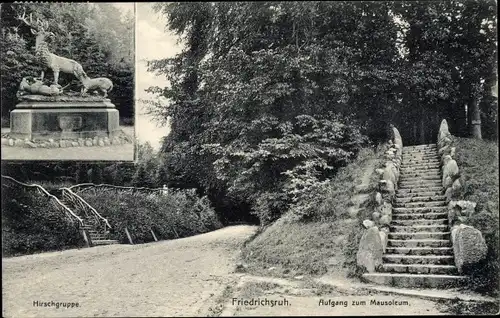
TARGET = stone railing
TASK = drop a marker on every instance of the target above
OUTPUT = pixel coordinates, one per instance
(374, 241)
(469, 246)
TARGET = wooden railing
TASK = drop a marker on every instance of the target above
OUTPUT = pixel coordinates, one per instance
(53, 199)
(91, 186)
(83, 206)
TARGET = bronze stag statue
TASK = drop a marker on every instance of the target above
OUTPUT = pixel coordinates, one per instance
(49, 60)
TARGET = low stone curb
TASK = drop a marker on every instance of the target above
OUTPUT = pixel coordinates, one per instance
(66, 143)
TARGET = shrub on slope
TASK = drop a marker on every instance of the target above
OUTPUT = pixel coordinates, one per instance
(31, 223)
(173, 215)
(478, 162)
(325, 240)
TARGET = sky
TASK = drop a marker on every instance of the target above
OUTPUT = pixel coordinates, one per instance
(152, 41)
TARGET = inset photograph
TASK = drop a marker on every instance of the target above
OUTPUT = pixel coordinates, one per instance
(67, 81)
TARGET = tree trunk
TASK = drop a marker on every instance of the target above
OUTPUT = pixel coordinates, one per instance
(469, 117)
(475, 117)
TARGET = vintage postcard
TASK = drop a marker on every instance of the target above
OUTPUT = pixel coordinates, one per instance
(291, 159)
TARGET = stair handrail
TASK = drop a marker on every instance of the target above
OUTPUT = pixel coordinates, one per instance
(104, 185)
(45, 192)
(78, 206)
(94, 211)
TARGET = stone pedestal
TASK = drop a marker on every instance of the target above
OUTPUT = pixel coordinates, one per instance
(41, 117)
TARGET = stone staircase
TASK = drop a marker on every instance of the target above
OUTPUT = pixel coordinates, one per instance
(419, 251)
(96, 232)
(97, 236)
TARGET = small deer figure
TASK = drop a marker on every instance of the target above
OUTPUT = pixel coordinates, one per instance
(49, 60)
(103, 84)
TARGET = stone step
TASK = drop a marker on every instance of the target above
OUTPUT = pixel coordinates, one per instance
(419, 243)
(425, 150)
(420, 146)
(419, 178)
(419, 235)
(421, 175)
(422, 156)
(437, 209)
(423, 169)
(105, 242)
(419, 159)
(419, 222)
(91, 233)
(420, 250)
(420, 204)
(415, 280)
(98, 237)
(420, 165)
(428, 149)
(403, 194)
(417, 182)
(412, 161)
(414, 216)
(419, 259)
(422, 184)
(410, 148)
(409, 170)
(409, 198)
(420, 269)
(419, 189)
(419, 228)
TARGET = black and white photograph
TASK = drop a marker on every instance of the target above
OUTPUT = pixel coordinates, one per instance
(287, 158)
(67, 81)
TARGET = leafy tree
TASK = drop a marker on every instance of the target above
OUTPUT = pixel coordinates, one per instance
(451, 61)
(267, 88)
(259, 85)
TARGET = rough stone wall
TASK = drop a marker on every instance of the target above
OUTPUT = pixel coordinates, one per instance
(371, 246)
(469, 246)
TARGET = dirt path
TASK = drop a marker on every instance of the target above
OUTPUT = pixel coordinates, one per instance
(170, 278)
(193, 276)
(307, 297)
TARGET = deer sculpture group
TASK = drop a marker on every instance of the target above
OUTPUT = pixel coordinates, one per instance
(57, 63)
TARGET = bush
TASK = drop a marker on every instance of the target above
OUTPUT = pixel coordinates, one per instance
(329, 200)
(32, 223)
(478, 163)
(317, 235)
(175, 214)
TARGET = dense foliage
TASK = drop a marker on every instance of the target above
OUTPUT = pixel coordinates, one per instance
(268, 99)
(95, 35)
(171, 215)
(478, 161)
(31, 223)
(328, 242)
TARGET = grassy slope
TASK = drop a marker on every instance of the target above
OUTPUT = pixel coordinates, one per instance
(327, 244)
(478, 163)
